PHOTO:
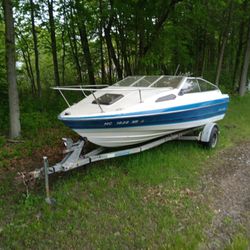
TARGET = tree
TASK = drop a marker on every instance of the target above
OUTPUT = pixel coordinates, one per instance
(24, 47)
(53, 42)
(105, 40)
(224, 38)
(3, 84)
(35, 44)
(166, 10)
(244, 72)
(84, 40)
(108, 37)
(71, 32)
(15, 127)
(103, 72)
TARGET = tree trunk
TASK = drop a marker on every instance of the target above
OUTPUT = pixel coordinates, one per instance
(53, 42)
(118, 49)
(84, 41)
(238, 55)
(108, 38)
(141, 28)
(110, 68)
(27, 60)
(73, 45)
(74, 49)
(34, 34)
(124, 49)
(86, 51)
(63, 42)
(201, 53)
(236, 78)
(63, 55)
(103, 72)
(112, 53)
(224, 37)
(243, 79)
(219, 66)
(140, 35)
(29, 71)
(14, 112)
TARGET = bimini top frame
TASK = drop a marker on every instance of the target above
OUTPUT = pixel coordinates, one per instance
(136, 84)
(131, 83)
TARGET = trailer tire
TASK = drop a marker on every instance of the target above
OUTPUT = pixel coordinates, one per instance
(213, 138)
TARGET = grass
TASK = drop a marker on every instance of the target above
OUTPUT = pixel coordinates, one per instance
(147, 200)
(240, 242)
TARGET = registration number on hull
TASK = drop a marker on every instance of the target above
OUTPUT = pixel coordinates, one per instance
(122, 123)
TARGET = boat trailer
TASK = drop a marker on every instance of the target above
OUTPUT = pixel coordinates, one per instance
(74, 158)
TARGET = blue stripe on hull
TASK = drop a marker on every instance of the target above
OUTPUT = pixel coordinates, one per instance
(152, 120)
(152, 112)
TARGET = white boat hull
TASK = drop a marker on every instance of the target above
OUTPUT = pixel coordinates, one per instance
(118, 137)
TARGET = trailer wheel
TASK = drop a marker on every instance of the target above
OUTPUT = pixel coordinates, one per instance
(213, 138)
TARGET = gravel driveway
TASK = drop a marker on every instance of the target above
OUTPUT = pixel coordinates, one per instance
(227, 188)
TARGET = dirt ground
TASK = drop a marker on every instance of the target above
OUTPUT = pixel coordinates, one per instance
(227, 189)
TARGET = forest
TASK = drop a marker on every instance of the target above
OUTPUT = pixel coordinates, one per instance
(66, 42)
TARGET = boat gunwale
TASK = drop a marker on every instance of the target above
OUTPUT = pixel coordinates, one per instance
(144, 113)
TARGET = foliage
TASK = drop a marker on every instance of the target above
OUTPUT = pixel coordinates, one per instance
(189, 35)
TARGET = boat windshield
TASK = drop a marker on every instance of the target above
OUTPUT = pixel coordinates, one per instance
(128, 81)
(151, 81)
(146, 81)
(172, 82)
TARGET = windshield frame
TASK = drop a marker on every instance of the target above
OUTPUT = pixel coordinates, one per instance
(151, 84)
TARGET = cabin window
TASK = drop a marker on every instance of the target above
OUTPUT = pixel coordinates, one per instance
(191, 86)
(206, 86)
(107, 99)
(166, 98)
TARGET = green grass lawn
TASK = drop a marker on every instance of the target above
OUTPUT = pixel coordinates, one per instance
(148, 200)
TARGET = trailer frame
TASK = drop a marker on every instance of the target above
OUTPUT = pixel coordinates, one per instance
(74, 158)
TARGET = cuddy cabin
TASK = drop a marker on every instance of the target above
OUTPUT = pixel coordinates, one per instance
(141, 92)
(141, 108)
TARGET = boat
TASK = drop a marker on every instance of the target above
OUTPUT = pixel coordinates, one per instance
(138, 109)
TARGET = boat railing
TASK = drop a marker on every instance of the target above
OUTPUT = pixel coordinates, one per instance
(93, 88)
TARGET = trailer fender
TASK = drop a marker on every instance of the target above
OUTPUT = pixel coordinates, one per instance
(207, 130)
